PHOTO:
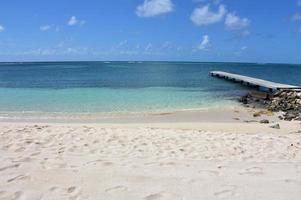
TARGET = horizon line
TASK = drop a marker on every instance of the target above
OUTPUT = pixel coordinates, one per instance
(171, 61)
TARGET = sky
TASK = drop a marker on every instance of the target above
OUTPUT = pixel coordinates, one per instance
(261, 31)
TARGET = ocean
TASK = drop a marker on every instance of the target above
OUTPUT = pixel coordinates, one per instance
(122, 87)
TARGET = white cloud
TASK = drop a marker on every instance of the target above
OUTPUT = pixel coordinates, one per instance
(72, 21)
(205, 44)
(296, 17)
(235, 23)
(148, 47)
(151, 8)
(1, 28)
(203, 15)
(45, 28)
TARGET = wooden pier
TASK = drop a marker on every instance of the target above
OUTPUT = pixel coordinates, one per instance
(253, 82)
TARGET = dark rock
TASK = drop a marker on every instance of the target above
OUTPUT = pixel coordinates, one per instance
(298, 118)
(276, 126)
(264, 121)
(244, 100)
(290, 116)
(250, 121)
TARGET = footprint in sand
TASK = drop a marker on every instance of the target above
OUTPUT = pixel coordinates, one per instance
(18, 195)
(58, 193)
(94, 162)
(228, 191)
(54, 188)
(73, 190)
(119, 188)
(252, 171)
(18, 178)
(35, 154)
(24, 159)
(20, 149)
(224, 194)
(9, 167)
(75, 193)
(95, 141)
(99, 161)
(161, 196)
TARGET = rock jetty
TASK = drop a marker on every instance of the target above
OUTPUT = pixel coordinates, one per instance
(286, 101)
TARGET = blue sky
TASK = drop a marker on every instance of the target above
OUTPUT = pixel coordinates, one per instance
(189, 30)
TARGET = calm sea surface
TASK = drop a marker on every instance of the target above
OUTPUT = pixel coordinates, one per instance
(96, 87)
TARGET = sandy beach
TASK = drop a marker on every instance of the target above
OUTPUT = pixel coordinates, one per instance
(150, 100)
(225, 157)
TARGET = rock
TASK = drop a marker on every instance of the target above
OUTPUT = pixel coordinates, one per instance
(244, 100)
(249, 121)
(276, 126)
(287, 101)
(289, 116)
(298, 118)
(264, 121)
(257, 114)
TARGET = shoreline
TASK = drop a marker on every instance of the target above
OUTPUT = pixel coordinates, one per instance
(204, 114)
(237, 119)
(224, 104)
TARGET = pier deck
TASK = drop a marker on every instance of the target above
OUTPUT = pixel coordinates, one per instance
(250, 81)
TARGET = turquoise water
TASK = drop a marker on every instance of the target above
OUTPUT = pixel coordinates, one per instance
(101, 87)
(104, 100)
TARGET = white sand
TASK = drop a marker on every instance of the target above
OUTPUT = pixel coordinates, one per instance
(150, 161)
